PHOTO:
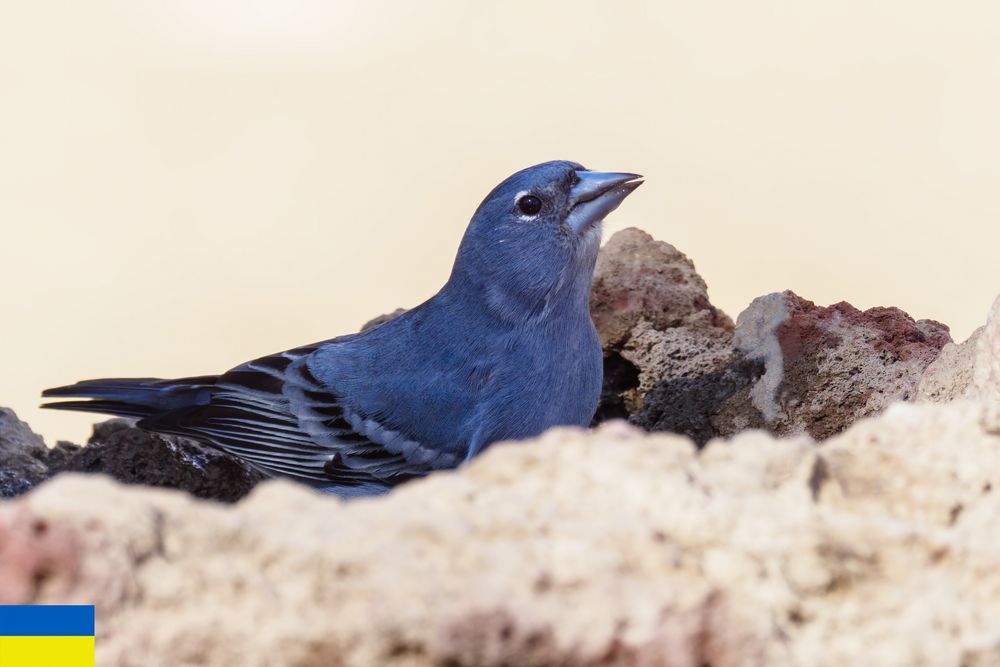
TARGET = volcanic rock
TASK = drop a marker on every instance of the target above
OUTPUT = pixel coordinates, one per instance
(655, 321)
(969, 369)
(825, 367)
(23, 455)
(134, 456)
(601, 548)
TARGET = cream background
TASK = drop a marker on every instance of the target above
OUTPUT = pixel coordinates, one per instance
(187, 184)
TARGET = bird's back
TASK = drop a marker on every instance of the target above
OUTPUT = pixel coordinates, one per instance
(457, 381)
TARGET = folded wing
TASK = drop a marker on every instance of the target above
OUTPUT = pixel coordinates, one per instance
(275, 414)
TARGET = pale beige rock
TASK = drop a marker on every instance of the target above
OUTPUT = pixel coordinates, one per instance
(950, 376)
(611, 547)
(968, 370)
(987, 373)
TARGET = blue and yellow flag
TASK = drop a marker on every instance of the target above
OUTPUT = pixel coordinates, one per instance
(46, 636)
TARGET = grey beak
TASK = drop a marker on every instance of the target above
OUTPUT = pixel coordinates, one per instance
(596, 195)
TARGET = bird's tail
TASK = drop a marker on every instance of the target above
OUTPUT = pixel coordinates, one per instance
(133, 397)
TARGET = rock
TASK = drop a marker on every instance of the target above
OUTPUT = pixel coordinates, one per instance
(609, 547)
(23, 455)
(638, 278)
(825, 367)
(655, 321)
(987, 372)
(134, 456)
(971, 369)
(691, 406)
(673, 362)
(950, 376)
(62, 452)
(126, 453)
(382, 319)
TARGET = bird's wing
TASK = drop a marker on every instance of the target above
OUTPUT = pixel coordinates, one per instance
(275, 414)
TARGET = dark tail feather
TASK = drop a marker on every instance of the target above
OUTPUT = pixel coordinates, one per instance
(133, 397)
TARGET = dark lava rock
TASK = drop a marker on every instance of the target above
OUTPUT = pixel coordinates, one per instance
(61, 453)
(23, 455)
(134, 456)
(690, 405)
(126, 453)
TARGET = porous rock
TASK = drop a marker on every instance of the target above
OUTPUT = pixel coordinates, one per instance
(134, 456)
(23, 455)
(639, 278)
(128, 454)
(612, 547)
(673, 362)
(966, 370)
(655, 321)
(823, 368)
(987, 372)
(951, 375)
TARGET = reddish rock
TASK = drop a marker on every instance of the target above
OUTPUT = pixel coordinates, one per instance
(638, 278)
(825, 367)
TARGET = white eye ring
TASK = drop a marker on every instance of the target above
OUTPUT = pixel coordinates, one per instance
(525, 215)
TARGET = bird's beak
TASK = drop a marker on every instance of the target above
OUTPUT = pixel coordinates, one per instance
(596, 194)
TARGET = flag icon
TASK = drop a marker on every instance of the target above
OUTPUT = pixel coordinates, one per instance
(46, 635)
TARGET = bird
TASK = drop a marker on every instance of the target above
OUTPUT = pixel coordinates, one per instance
(503, 351)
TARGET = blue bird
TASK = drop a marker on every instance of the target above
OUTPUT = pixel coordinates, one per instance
(505, 350)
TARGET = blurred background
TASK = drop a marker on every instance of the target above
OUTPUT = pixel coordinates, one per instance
(187, 184)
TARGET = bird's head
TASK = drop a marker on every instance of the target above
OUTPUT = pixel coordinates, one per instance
(533, 241)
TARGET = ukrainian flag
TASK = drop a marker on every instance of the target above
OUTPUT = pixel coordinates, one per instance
(47, 636)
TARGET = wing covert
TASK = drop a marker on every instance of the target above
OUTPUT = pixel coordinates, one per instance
(275, 414)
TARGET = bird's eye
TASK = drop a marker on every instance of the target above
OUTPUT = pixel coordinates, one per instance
(529, 204)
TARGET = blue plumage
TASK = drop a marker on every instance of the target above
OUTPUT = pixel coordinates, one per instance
(505, 350)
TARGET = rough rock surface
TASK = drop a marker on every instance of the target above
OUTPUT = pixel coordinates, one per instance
(605, 548)
(133, 456)
(23, 455)
(987, 373)
(951, 375)
(654, 319)
(673, 362)
(826, 367)
(126, 453)
(800, 368)
(966, 370)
